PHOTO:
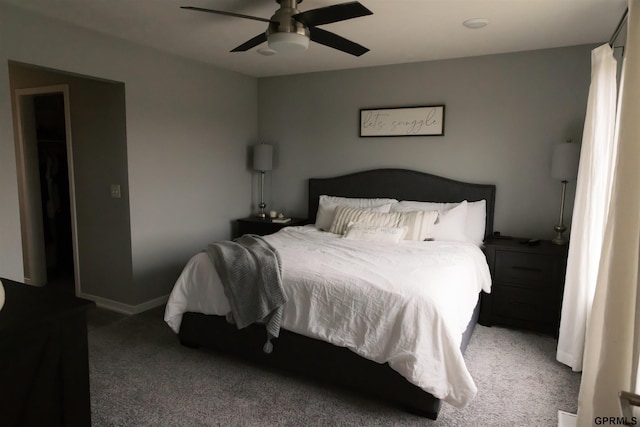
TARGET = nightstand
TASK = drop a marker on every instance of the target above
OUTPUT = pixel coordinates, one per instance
(261, 227)
(528, 284)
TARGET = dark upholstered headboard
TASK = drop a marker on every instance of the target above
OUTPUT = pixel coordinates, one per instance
(402, 184)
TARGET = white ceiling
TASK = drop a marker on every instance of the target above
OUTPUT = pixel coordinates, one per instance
(399, 31)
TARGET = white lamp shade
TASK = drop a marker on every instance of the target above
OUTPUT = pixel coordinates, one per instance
(288, 42)
(263, 157)
(565, 160)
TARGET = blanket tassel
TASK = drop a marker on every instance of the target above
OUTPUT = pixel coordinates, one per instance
(268, 346)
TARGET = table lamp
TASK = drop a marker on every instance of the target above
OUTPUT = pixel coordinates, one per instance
(262, 161)
(564, 167)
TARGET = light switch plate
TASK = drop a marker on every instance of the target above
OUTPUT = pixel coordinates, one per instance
(115, 191)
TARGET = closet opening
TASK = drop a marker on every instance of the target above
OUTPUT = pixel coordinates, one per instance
(54, 188)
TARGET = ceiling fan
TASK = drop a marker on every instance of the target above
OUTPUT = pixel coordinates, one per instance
(290, 30)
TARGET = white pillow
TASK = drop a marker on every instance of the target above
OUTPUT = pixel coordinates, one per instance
(328, 204)
(451, 225)
(358, 231)
(419, 224)
(345, 215)
(476, 215)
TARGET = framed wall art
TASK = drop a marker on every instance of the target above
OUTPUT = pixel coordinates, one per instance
(402, 121)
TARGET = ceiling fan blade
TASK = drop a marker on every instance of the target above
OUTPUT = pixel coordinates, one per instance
(260, 38)
(219, 12)
(335, 41)
(334, 13)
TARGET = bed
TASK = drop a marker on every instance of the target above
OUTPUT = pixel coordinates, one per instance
(311, 353)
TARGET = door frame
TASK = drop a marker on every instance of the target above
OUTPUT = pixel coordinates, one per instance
(31, 220)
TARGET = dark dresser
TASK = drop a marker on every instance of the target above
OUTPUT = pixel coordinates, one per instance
(527, 285)
(44, 369)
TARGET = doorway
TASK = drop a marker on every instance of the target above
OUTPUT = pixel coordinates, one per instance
(46, 188)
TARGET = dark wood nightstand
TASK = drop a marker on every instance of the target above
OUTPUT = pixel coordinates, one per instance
(528, 284)
(261, 227)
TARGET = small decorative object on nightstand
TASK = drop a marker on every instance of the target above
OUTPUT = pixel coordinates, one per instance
(528, 284)
(564, 167)
(263, 226)
(262, 161)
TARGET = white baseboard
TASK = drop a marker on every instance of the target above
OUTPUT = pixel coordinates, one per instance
(566, 419)
(125, 308)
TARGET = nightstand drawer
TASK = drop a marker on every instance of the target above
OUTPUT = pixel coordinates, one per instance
(523, 304)
(524, 268)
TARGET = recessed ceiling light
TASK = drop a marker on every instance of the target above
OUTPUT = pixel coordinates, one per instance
(476, 23)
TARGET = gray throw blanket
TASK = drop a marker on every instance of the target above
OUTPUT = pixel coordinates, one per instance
(250, 271)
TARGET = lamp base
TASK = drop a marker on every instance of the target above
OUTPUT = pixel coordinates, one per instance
(262, 213)
(561, 228)
(559, 239)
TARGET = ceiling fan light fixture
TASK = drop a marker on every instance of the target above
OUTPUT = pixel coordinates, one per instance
(288, 42)
(290, 30)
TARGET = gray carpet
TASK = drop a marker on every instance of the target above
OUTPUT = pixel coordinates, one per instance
(142, 376)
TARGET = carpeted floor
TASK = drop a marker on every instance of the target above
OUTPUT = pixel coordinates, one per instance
(142, 376)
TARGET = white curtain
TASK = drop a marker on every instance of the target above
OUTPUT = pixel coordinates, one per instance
(613, 332)
(593, 193)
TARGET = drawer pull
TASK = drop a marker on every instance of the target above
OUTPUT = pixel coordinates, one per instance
(517, 267)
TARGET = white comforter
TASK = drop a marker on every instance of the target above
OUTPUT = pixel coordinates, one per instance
(407, 304)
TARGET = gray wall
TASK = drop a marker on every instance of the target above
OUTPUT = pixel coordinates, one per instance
(504, 113)
(188, 129)
(98, 135)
